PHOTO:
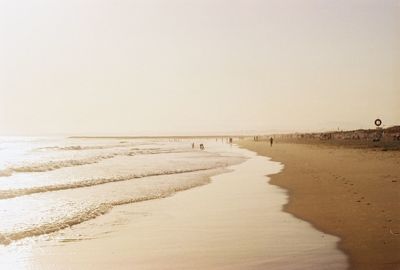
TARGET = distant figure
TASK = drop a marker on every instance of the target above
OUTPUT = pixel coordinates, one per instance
(201, 146)
(192, 145)
(230, 140)
(271, 141)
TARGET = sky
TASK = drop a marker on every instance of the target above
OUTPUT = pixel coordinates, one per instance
(183, 67)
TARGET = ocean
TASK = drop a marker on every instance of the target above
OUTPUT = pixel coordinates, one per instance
(49, 184)
(98, 203)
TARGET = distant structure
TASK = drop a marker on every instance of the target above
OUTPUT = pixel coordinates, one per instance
(376, 134)
(379, 132)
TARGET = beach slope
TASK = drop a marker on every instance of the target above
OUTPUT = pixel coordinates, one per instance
(350, 193)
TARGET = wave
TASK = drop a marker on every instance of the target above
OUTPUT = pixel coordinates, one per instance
(54, 165)
(122, 144)
(8, 194)
(88, 214)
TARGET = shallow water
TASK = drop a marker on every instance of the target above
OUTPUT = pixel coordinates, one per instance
(122, 214)
(49, 184)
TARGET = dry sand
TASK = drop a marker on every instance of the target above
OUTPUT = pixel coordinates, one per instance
(350, 193)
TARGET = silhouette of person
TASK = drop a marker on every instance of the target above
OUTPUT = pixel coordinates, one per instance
(271, 141)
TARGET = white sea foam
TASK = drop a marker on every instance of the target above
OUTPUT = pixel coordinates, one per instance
(54, 165)
(6, 194)
(62, 186)
(54, 225)
(86, 147)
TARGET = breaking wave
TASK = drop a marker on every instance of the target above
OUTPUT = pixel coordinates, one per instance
(101, 209)
(122, 144)
(7, 194)
(54, 165)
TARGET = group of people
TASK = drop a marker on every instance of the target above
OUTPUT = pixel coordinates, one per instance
(201, 146)
(271, 140)
(230, 140)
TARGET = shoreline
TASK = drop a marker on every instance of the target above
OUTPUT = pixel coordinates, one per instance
(236, 222)
(349, 193)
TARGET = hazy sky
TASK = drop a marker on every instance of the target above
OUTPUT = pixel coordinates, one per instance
(197, 66)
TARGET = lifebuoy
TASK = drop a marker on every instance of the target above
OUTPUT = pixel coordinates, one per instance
(378, 122)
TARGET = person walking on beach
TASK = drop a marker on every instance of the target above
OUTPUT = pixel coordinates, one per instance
(271, 141)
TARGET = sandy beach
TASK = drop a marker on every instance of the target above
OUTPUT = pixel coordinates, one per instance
(351, 193)
(134, 135)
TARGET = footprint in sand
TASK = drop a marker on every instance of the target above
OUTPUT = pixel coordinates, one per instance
(362, 198)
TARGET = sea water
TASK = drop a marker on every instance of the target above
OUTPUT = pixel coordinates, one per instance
(49, 184)
(58, 195)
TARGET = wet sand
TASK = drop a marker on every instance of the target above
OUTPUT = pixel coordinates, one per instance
(235, 222)
(351, 193)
